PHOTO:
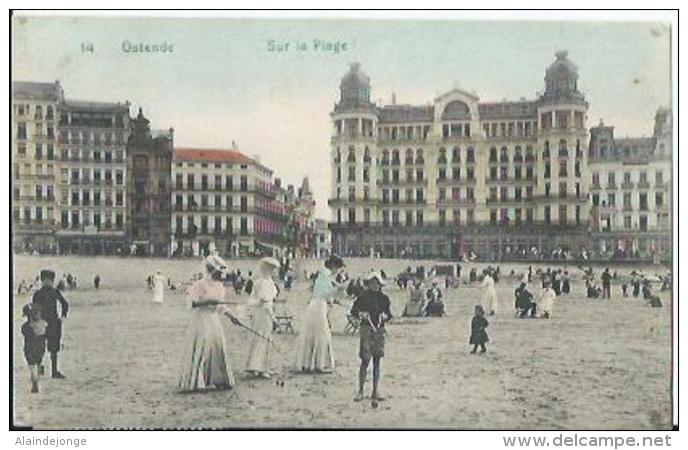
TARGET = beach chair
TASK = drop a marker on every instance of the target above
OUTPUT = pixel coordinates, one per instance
(352, 324)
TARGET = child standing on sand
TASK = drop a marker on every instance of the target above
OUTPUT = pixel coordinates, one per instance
(33, 331)
(478, 333)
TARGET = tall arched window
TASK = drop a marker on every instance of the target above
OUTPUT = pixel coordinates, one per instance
(456, 155)
(385, 156)
(562, 148)
(503, 154)
(442, 159)
(518, 156)
(409, 156)
(545, 153)
(366, 155)
(493, 154)
(419, 156)
(395, 156)
(352, 155)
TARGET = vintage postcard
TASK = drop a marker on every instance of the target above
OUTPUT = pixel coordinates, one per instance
(341, 223)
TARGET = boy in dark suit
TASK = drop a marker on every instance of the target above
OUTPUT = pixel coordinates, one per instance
(47, 298)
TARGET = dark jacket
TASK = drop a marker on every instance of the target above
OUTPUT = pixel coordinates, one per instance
(478, 333)
(47, 298)
(374, 303)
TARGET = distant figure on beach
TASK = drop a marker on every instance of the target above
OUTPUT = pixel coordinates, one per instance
(478, 334)
(96, 281)
(262, 316)
(47, 298)
(205, 358)
(546, 303)
(158, 288)
(525, 306)
(606, 283)
(248, 287)
(489, 294)
(435, 306)
(314, 347)
(415, 306)
(34, 332)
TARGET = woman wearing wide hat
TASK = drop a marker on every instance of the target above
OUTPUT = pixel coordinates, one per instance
(205, 360)
(261, 311)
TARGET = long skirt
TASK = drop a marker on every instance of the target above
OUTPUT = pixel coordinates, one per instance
(205, 360)
(314, 347)
(259, 352)
(490, 303)
(158, 293)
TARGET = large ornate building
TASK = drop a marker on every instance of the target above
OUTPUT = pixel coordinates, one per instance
(499, 179)
(149, 187)
(93, 171)
(226, 200)
(35, 152)
(631, 190)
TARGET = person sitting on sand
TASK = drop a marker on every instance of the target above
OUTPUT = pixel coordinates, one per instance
(651, 299)
(415, 306)
(435, 306)
(524, 301)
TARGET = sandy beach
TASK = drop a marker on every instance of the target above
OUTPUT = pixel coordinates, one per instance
(597, 364)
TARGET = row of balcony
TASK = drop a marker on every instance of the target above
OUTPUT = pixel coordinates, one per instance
(90, 159)
(88, 182)
(233, 209)
(218, 188)
(629, 207)
(628, 185)
(460, 202)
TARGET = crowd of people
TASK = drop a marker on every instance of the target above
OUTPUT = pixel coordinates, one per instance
(213, 293)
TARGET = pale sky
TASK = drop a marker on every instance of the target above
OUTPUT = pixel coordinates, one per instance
(222, 84)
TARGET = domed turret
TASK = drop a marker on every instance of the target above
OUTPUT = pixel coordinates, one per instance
(561, 77)
(354, 88)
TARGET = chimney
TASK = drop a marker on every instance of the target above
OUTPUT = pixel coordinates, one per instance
(234, 145)
(278, 182)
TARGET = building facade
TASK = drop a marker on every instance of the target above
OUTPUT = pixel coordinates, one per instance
(149, 188)
(35, 151)
(631, 191)
(93, 171)
(461, 176)
(225, 200)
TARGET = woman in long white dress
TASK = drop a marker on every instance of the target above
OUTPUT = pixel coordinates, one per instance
(205, 360)
(314, 348)
(546, 301)
(158, 288)
(490, 302)
(261, 311)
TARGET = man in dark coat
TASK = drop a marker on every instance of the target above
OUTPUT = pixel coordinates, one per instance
(606, 283)
(47, 298)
